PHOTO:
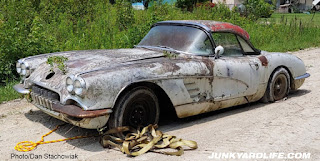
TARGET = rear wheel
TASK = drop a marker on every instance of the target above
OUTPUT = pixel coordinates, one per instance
(137, 108)
(278, 86)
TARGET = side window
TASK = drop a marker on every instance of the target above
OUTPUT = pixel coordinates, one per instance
(245, 46)
(229, 42)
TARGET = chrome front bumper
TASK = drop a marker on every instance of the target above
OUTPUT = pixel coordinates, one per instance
(298, 81)
(90, 119)
(306, 75)
(19, 88)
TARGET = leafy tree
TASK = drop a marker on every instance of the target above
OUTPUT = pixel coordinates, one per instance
(188, 4)
(125, 16)
(258, 9)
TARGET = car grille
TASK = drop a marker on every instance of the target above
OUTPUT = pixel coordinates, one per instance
(44, 97)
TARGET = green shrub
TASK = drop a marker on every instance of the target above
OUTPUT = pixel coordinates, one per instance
(21, 35)
(256, 9)
(188, 4)
(125, 16)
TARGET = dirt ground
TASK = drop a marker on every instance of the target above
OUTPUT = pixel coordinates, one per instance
(290, 126)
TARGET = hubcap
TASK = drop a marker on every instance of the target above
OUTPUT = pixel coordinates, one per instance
(139, 110)
(138, 115)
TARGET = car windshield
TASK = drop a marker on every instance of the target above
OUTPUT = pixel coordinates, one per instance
(181, 38)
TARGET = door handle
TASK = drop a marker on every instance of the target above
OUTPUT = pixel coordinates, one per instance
(254, 65)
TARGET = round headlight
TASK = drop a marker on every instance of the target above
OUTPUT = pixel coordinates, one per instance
(23, 66)
(18, 67)
(79, 86)
(24, 69)
(23, 72)
(70, 88)
(78, 91)
(69, 83)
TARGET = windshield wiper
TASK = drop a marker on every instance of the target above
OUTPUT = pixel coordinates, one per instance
(166, 47)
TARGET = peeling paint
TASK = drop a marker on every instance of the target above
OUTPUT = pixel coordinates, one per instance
(194, 84)
(264, 60)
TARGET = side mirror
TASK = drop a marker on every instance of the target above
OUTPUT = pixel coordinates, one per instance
(219, 51)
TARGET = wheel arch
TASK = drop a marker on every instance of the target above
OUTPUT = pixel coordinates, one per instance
(266, 97)
(290, 75)
(165, 103)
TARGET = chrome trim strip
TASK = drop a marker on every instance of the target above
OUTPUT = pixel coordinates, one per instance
(20, 89)
(185, 23)
(42, 101)
(43, 85)
(302, 76)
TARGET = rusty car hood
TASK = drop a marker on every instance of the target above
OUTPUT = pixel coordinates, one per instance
(84, 61)
(98, 67)
(87, 60)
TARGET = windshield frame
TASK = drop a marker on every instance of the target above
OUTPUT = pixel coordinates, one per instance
(203, 28)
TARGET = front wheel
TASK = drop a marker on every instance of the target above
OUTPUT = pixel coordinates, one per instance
(137, 108)
(278, 86)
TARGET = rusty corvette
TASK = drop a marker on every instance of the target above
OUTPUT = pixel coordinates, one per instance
(191, 67)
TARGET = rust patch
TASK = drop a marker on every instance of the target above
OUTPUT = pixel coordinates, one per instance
(209, 64)
(217, 26)
(170, 66)
(76, 111)
(76, 64)
(264, 60)
(228, 27)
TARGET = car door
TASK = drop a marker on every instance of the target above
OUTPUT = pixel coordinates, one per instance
(236, 73)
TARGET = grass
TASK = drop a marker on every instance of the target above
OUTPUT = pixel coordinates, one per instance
(286, 32)
(306, 18)
(7, 92)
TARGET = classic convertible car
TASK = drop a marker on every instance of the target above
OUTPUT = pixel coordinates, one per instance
(192, 66)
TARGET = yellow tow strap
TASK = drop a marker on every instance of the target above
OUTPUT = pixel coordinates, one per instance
(135, 143)
(148, 139)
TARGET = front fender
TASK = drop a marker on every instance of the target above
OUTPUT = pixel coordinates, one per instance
(105, 86)
(294, 64)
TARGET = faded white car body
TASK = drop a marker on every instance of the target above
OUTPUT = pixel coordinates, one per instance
(194, 84)
(230, 87)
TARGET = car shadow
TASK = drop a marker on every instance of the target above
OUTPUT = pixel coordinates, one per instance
(167, 122)
(298, 93)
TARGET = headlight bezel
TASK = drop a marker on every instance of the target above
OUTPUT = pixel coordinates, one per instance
(18, 66)
(77, 87)
(69, 83)
(23, 68)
